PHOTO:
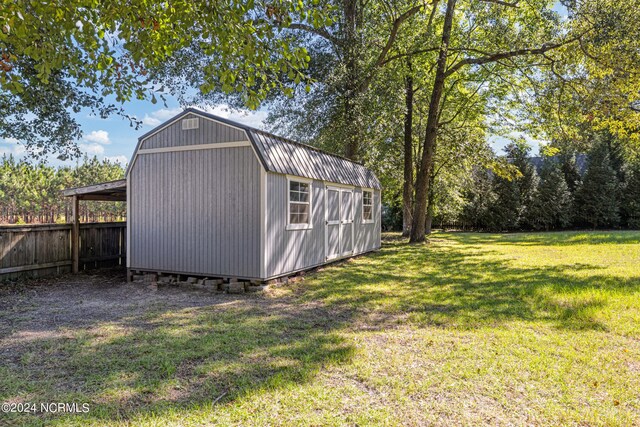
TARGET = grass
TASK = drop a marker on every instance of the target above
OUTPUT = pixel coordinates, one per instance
(470, 329)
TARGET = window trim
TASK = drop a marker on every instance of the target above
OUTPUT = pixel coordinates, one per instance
(309, 225)
(373, 217)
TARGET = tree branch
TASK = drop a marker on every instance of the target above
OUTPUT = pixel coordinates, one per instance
(412, 53)
(317, 31)
(494, 57)
(503, 3)
(394, 33)
(389, 44)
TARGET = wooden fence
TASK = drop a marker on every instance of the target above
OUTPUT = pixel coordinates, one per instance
(41, 250)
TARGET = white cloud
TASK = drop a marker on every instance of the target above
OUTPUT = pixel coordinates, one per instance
(123, 160)
(92, 149)
(159, 116)
(247, 117)
(98, 136)
(11, 146)
(250, 118)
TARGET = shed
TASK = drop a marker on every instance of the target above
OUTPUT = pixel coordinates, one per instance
(211, 197)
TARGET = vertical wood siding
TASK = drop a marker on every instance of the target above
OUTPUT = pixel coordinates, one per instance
(367, 235)
(208, 132)
(196, 212)
(291, 250)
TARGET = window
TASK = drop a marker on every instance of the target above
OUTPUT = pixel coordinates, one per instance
(367, 205)
(299, 204)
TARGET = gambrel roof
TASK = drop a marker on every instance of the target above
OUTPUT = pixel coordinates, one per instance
(282, 155)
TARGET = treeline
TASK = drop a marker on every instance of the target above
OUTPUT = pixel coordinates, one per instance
(30, 193)
(606, 194)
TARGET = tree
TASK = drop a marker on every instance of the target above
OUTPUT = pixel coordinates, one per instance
(596, 201)
(526, 183)
(504, 213)
(551, 208)
(478, 199)
(631, 200)
(569, 168)
(56, 57)
(521, 43)
(30, 193)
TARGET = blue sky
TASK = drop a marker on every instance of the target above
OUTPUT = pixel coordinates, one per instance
(113, 138)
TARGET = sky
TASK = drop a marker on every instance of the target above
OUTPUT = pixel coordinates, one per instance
(114, 139)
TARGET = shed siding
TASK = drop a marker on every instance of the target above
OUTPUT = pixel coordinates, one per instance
(367, 235)
(208, 132)
(291, 250)
(196, 212)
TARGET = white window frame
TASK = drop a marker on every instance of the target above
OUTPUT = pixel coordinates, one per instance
(309, 225)
(372, 220)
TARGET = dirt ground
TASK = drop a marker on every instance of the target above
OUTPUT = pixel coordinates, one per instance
(45, 308)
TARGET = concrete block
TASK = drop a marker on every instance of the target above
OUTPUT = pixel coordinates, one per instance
(150, 278)
(137, 277)
(213, 282)
(192, 280)
(235, 288)
(255, 288)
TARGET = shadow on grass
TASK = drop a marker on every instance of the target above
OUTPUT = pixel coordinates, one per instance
(193, 355)
(457, 280)
(552, 238)
(173, 358)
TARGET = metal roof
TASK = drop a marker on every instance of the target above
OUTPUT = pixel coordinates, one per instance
(282, 155)
(110, 191)
(293, 158)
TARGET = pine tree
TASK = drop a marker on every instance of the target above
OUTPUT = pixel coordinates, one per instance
(478, 199)
(570, 170)
(504, 212)
(515, 196)
(631, 200)
(551, 208)
(527, 185)
(596, 200)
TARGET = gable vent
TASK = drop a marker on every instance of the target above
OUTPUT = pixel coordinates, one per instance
(190, 124)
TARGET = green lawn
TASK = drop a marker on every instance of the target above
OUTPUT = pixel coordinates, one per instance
(470, 329)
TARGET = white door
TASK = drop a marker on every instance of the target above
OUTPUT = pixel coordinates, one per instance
(339, 224)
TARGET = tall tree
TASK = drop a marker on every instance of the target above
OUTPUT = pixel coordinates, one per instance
(570, 170)
(521, 42)
(631, 200)
(408, 177)
(551, 208)
(597, 203)
(478, 198)
(57, 58)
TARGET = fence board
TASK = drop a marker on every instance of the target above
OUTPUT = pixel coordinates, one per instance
(36, 250)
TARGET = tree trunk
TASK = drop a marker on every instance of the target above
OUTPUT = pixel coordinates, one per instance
(407, 191)
(351, 114)
(430, 208)
(423, 183)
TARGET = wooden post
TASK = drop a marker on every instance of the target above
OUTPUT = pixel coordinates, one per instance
(75, 236)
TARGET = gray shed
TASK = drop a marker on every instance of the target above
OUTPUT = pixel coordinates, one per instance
(211, 197)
